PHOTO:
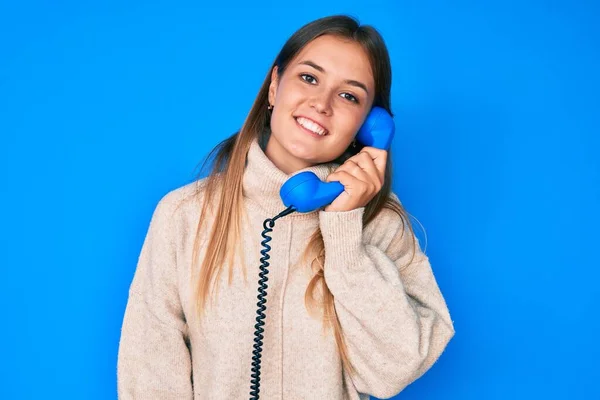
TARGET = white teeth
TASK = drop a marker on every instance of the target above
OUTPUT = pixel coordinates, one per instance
(311, 126)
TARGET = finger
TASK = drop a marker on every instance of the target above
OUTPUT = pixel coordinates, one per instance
(356, 170)
(352, 185)
(379, 157)
(366, 163)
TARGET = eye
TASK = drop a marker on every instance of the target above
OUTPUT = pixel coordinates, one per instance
(308, 78)
(350, 97)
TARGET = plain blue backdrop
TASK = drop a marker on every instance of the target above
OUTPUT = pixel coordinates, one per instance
(105, 107)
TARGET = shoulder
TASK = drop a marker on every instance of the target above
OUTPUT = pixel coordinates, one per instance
(180, 200)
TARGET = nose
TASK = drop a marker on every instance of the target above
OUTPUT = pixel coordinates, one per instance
(321, 102)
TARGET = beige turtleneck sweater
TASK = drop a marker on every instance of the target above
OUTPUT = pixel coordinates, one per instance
(394, 320)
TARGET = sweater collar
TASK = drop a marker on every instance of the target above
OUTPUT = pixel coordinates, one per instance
(262, 181)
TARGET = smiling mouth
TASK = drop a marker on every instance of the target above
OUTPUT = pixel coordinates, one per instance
(311, 126)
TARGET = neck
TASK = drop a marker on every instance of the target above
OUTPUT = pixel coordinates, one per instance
(282, 159)
(263, 179)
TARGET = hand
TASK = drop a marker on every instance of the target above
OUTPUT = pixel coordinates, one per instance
(362, 176)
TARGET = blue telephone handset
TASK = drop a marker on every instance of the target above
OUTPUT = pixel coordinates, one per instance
(305, 192)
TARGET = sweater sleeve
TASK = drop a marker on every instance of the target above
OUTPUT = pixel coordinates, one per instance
(394, 319)
(154, 360)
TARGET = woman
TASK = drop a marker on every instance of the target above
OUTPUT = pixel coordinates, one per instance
(353, 306)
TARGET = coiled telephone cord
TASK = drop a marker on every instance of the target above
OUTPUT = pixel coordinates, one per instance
(268, 225)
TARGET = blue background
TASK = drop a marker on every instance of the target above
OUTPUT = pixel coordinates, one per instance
(106, 107)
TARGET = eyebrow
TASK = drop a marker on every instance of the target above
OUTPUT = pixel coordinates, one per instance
(348, 81)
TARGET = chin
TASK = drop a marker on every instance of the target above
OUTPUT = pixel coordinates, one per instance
(307, 152)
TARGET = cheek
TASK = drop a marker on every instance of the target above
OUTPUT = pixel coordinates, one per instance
(349, 124)
(289, 93)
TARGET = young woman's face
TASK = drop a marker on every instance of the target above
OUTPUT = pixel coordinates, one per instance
(319, 103)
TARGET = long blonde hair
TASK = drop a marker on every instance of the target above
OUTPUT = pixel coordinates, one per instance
(222, 188)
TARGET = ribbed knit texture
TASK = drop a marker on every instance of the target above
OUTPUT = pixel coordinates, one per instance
(394, 319)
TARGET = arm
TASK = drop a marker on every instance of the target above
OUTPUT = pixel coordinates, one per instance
(154, 360)
(394, 320)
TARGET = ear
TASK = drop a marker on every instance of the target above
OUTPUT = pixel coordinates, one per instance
(273, 85)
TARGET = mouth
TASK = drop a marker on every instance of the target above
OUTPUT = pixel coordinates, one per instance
(311, 126)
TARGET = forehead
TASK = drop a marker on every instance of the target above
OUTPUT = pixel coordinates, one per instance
(338, 56)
